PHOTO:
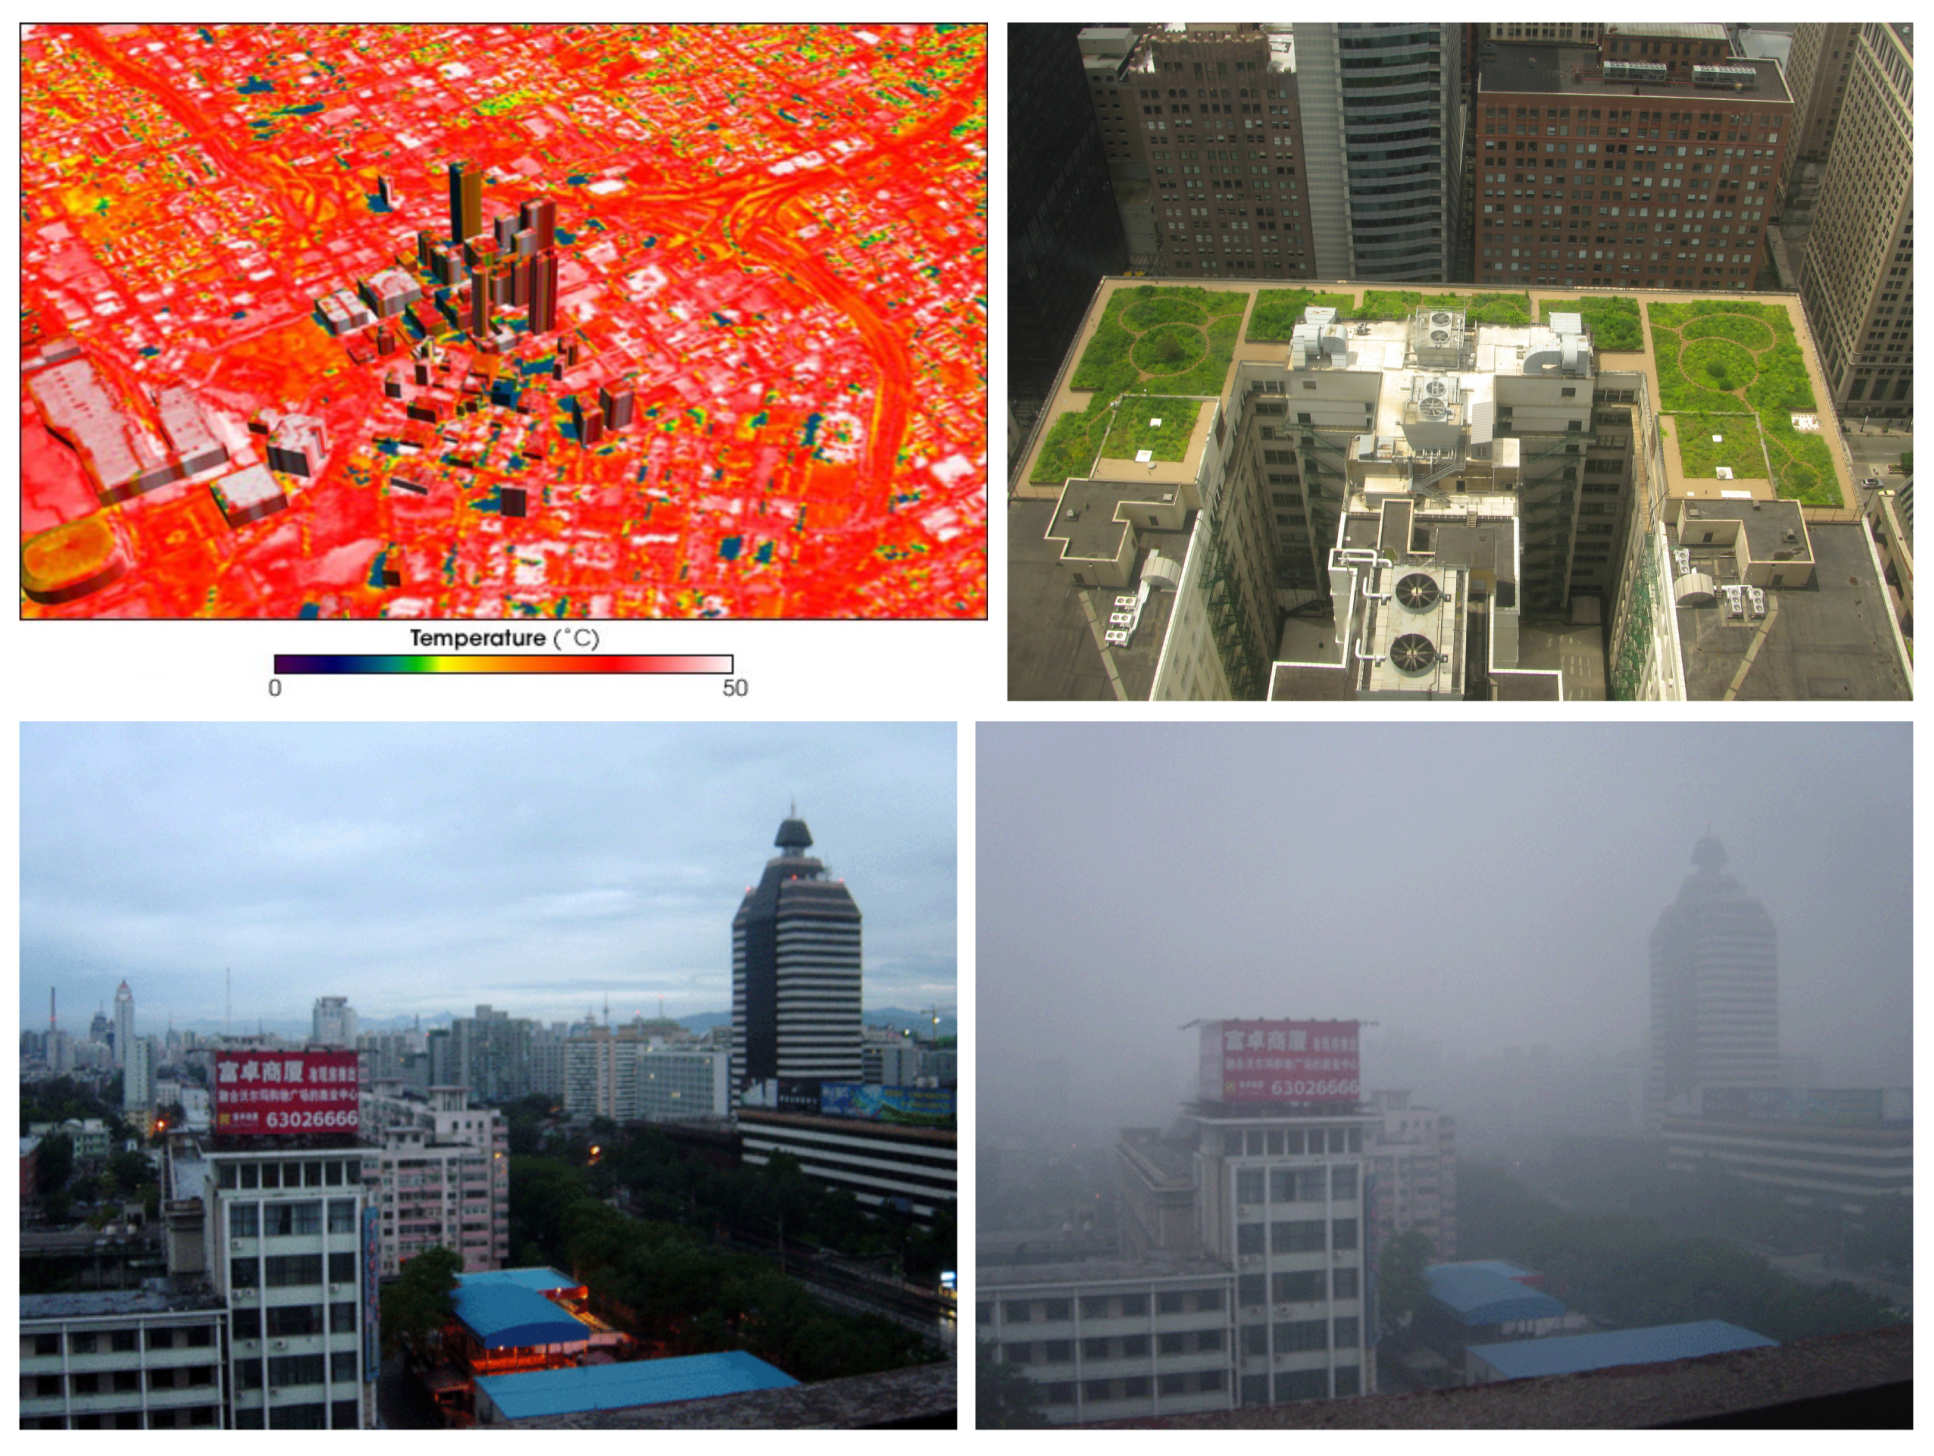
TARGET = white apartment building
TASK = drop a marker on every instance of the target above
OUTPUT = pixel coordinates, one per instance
(1280, 1200)
(1108, 1341)
(626, 1076)
(137, 1078)
(1412, 1166)
(438, 1174)
(282, 1231)
(123, 1359)
(683, 1086)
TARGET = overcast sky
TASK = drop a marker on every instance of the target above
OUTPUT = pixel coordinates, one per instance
(417, 868)
(1474, 887)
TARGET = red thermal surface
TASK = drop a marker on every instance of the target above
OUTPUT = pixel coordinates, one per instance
(299, 337)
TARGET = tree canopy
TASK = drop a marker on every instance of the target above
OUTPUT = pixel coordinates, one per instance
(1004, 1397)
(417, 1304)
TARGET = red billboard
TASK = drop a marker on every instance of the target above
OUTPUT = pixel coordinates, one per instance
(286, 1093)
(1279, 1061)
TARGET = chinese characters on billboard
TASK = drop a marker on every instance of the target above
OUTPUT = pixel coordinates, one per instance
(1279, 1061)
(277, 1092)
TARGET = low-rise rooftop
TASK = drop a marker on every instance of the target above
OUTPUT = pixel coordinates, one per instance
(539, 1393)
(1833, 640)
(156, 1297)
(1606, 1349)
(1576, 71)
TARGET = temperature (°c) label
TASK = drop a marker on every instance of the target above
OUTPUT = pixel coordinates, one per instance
(296, 664)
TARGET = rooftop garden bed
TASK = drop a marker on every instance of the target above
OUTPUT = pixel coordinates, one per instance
(1165, 342)
(1738, 447)
(1613, 323)
(1725, 356)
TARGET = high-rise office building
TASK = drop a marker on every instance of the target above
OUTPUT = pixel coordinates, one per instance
(543, 292)
(1309, 150)
(123, 1023)
(466, 203)
(332, 1022)
(1063, 230)
(1648, 161)
(796, 971)
(539, 217)
(1816, 75)
(490, 1054)
(1715, 1018)
(1857, 265)
(1383, 119)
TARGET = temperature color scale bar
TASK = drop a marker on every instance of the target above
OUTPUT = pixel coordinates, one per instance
(292, 664)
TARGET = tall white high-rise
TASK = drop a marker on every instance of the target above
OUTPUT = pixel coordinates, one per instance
(1715, 988)
(123, 1023)
(796, 971)
(332, 1023)
(137, 1076)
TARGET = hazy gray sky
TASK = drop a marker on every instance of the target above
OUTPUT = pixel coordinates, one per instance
(1476, 887)
(424, 867)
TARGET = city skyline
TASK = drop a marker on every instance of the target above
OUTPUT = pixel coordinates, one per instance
(1470, 890)
(244, 857)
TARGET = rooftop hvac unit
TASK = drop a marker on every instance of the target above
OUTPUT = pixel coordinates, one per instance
(1436, 388)
(1418, 591)
(1413, 653)
(1722, 75)
(1440, 320)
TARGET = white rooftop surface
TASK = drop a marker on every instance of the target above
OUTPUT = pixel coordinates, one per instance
(251, 486)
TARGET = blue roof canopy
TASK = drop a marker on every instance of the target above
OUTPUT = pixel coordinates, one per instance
(642, 1382)
(1483, 1297)
(1565, 1354)
(504, 1316)
(538, 1278)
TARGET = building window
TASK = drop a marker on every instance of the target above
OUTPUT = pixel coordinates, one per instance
(1344, 1233)
(286, 1270)
(1250, 1290)
(241, 1220)
(342, 1317)
(294, 1319)
(1249, 1185)
(1343, 1181)
(1306, 1284)
(342, 1215)
(1347, 1332)
(1292, 1335)
(1345, 1282)
(1249, 1238)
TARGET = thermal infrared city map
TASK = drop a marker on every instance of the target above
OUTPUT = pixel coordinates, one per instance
(504, 321)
